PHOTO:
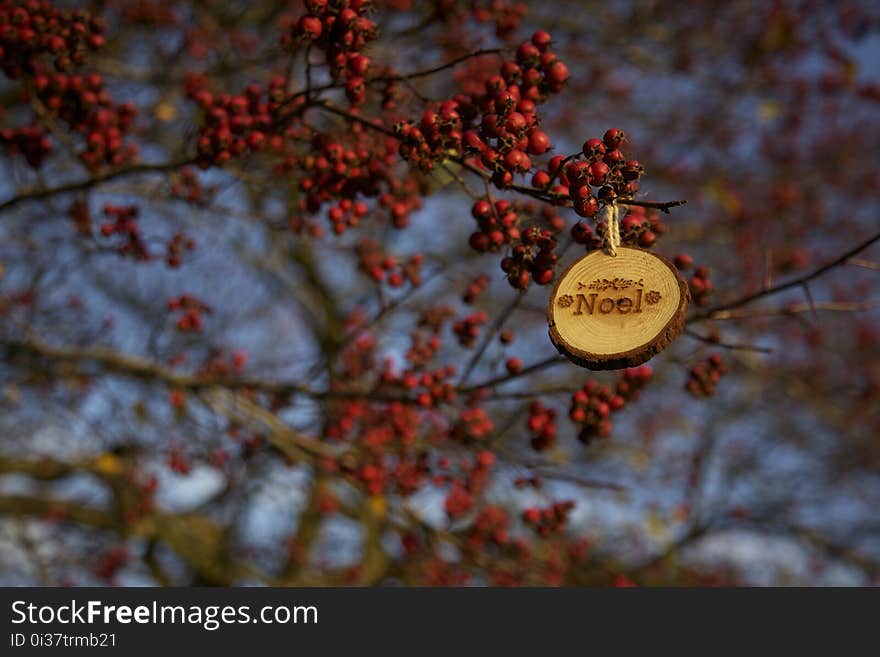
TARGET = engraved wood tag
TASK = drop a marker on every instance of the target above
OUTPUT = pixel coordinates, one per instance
(609, 312)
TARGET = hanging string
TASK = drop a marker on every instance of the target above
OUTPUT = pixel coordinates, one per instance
(609, 216)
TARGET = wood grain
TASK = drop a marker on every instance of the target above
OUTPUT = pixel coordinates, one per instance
(613, 312)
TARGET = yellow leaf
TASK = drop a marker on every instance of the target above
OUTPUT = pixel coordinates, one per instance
(768, 110)
(377, 505)
(165, 111)
(108, 464)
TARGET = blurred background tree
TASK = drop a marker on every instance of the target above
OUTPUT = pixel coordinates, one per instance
(273, 278)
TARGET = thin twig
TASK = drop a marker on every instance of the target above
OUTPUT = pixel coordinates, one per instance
(722, 311)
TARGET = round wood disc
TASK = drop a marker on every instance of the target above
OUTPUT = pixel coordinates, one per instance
(608, 312)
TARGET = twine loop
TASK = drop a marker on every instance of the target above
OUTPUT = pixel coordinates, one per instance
(609, 217)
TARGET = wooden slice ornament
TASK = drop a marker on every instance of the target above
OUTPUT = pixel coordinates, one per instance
(613, 311)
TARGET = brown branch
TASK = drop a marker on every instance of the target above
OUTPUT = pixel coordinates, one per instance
(436, 69)
(39, 194)
(489, 336)
(726, 345)
(797, 308)
(497, 381)
(140, 368)
(716, 312)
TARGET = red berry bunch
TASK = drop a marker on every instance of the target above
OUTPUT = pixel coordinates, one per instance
(599, 174)
(498, 128)
(31, 141)
(176, 247)
(542, 425)
(473, 425)
(548, 520)
(592, 405)
(36, 27)
(84, 103)
(186, 186)
(475, 288)
(508, 132)
(532, 259)
(388, 269)
(705, 375)
(467, 330)
(701, 286)
(179, 462)
(221, 363)
(126, 226)
(337, 172)
(641, 227)
(497, 225)
(458, 501)
(192, 308)
(151, 13)
(233, 124)
(436, 136)
(491, 526)
(145, 487)
(422, 349)
(506, 15)
(582, 233)
(112, 561)
(342, 29)
(470, 483)
(435, 386)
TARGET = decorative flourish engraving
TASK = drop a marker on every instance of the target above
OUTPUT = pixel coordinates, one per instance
(652, 297)
(565, 301)
(602, 284)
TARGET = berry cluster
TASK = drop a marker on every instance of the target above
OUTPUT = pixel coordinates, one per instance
(641, 227)
(592, 405)
(384, 268)
(599, 174)
(505, 14)
(434, 387)
(342, 30)
(178, 461)
(532, 259)
(187, 187)
(436, 136)
(705, 375)
(36, 27)
(422, 349)
(475, 288)
(542, 425)
(491, 525)
(701, 286)
(192, 308)
(472, 481)
(176, 246)
(221, 363)
(234, 124)
(582, 233)
(84, 103)
(550, 519)
(335, 172)
(497, 225)
(499, 127)
(126, 226)
(473, 424)
(112, 561)
(31, 141)
(508, 132)
(467, 330)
